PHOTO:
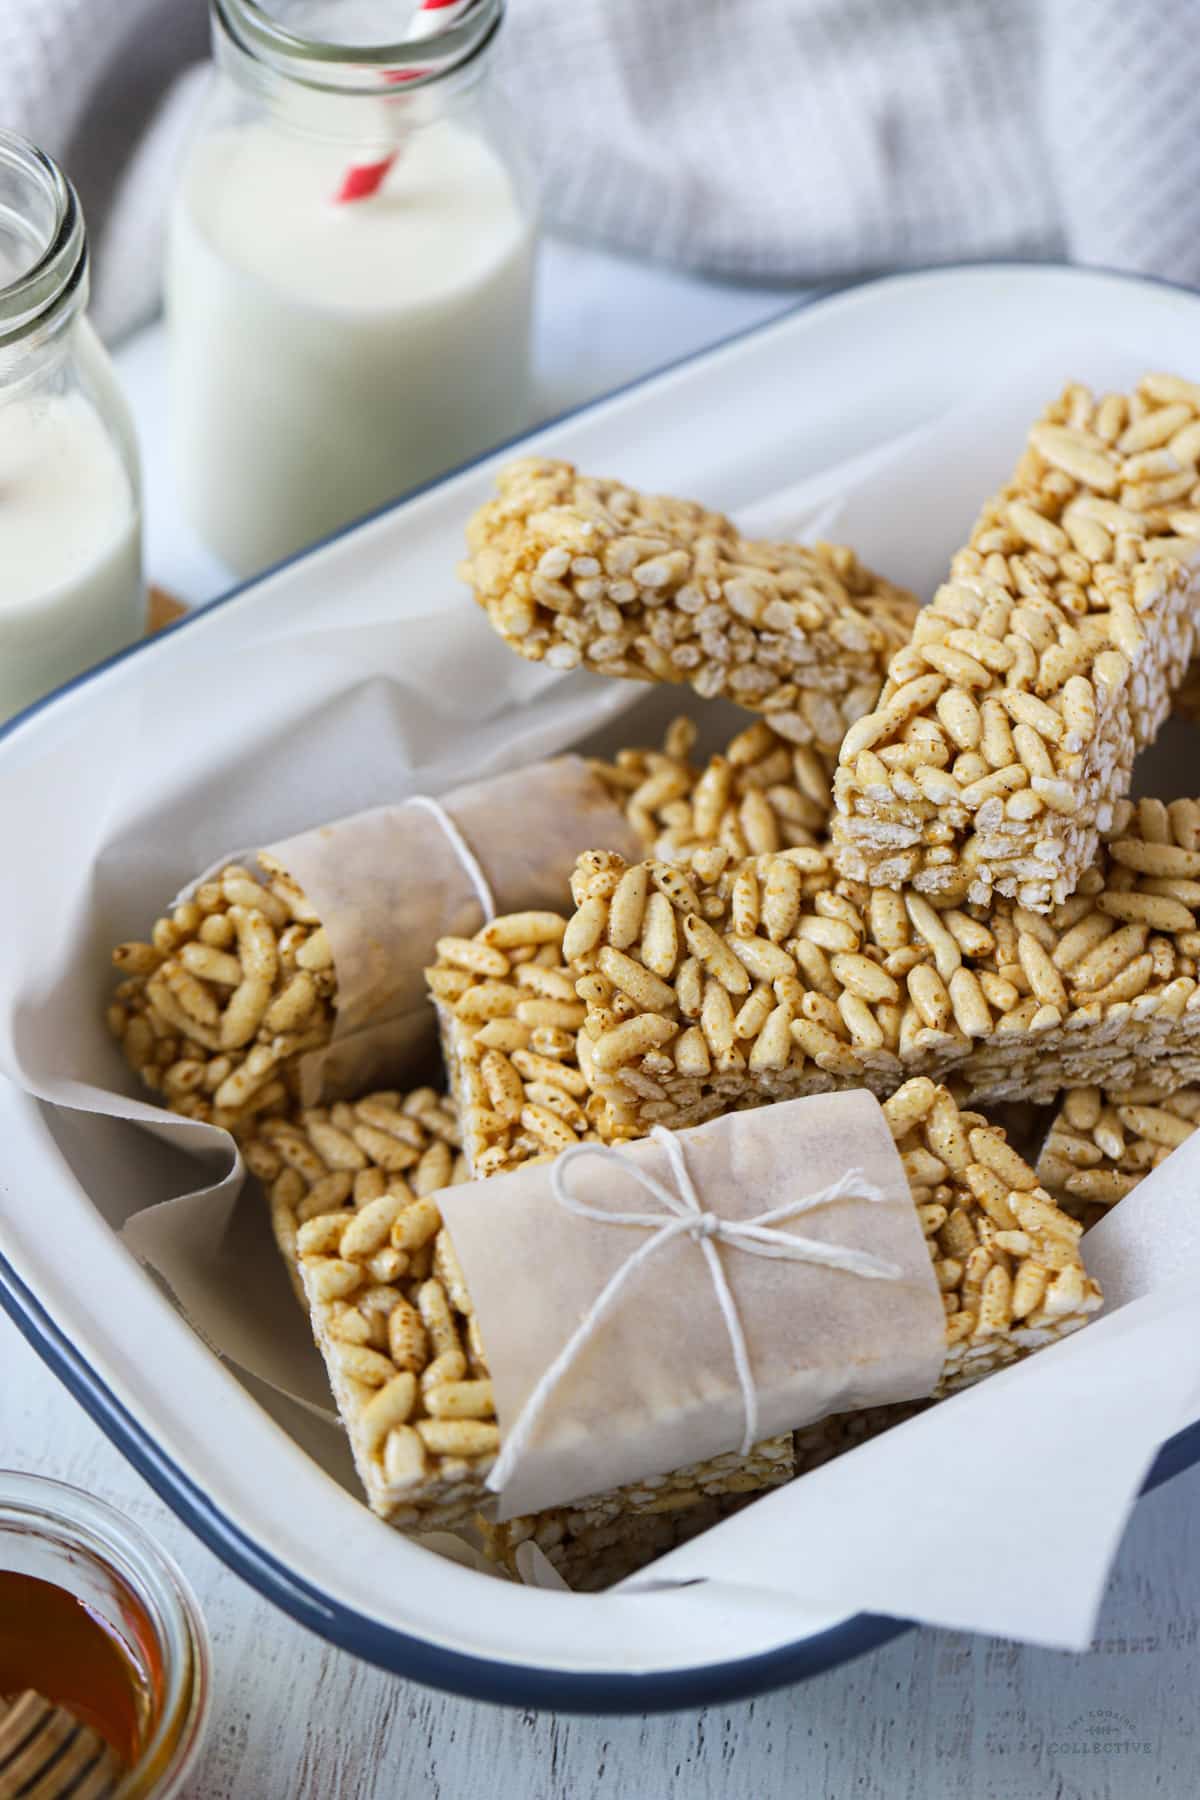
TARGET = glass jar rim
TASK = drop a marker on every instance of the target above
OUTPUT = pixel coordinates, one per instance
(349, 68)
(58, 271)
(57, 1509)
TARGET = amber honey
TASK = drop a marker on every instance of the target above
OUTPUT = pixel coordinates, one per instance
(97, 1621)
(53, 1642)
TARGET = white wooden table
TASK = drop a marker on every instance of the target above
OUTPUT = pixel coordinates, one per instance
(934, 1716)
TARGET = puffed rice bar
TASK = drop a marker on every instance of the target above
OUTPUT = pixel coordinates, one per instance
(1005, 1256)
(592, 1555)
(232, 988)
(510, 1025)
(728, 985)
(1102, 1143)
(319, 1162)
(411, 1383)
(760, 794)
(572, 571)
(1007, 728)
(352, 1203)
(509, 1021)
(389, 1308)
(1012, 1280)
(392, 1318)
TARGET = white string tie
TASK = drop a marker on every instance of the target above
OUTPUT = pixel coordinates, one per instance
(756, 1236)
(472, 867)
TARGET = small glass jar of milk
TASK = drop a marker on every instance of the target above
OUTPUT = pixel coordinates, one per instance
(70, 529)
(350, 269)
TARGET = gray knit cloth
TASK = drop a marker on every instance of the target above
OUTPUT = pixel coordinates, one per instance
(798, 139)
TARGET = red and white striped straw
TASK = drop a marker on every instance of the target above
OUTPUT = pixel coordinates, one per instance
(361, 180)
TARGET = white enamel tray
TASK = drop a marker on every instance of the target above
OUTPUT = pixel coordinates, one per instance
(824, 384)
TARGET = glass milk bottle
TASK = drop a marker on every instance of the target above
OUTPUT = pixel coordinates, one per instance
(349, 270)
(70, 531)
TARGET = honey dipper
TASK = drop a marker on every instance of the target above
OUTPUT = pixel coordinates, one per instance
(47, 1754)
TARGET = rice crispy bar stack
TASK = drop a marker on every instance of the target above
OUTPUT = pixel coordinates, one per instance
(761, 793)
(230, 990)
(968, 1184)
(737, 984)
(1008, 726)
(576, 571)
(1102, 1143)
(386, 1299)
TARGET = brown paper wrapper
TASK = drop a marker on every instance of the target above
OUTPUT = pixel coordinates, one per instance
(655, 1388)
(388, 883)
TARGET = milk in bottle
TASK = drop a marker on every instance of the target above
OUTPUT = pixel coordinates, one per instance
(70, 541)
(327, 354)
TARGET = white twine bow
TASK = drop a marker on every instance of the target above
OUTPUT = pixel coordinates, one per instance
(472, 867)
(756, 1236)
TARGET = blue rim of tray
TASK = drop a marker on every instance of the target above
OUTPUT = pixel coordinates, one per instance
(480, 1678)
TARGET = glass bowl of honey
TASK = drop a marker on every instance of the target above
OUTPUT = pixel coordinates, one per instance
(104, 1657)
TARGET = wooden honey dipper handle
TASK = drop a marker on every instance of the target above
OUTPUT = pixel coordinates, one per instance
(47, 1754)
